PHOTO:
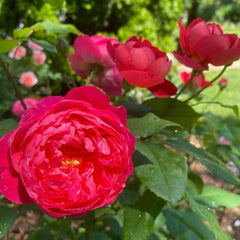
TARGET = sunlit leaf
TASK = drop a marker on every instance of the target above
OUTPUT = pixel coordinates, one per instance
(7, 45)
(148, 125)
(186, 225)
(212, 163)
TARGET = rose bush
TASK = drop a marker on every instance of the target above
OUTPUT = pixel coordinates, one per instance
(91, 56)
(203, 43)
(69, 154)
(143, 65)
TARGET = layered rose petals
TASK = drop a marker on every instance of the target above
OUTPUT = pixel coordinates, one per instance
(69, 155)
(91, 57)
(203, 43)
(143, 65)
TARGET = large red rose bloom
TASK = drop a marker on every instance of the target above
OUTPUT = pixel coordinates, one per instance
(69, 154)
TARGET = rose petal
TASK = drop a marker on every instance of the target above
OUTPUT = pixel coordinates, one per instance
(163, 90)
(11, 185)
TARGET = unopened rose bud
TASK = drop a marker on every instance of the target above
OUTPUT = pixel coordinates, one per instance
(223, 83)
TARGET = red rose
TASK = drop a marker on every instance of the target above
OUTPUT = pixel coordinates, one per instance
(203, 43)
(91, 55)
(223, 83)
(69, 155)
(143, 65)
(17, 108)
(198, 81)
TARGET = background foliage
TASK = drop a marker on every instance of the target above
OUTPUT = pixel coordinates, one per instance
(183, 207)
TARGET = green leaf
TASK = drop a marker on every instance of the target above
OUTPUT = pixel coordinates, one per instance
(149, 202)
(137, 225)
(7, 125)
(55, 3)
(148, 125)
(22, 33)
(207, 216)
(99, 236)
(40, 234)
(7, 45)
(186, 225)
(59, 27)
(235, 109)
(46, 45)
(212, 163)
(173, 110)
(215, 197)
(167, 174)
(7, 218)
(196, 181)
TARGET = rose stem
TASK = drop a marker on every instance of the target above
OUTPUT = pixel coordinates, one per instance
(12, 81)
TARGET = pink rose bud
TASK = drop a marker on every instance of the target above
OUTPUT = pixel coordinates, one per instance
(203, 43)
(39, 57)
(34, 46)
(18, 109)
(17, 52)
(69, 155)
(198, 81)
(223, 83)
(28, 79)
(223, 141)
(91, 55)
(143, 65)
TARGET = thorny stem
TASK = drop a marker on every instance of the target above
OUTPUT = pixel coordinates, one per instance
(193, 74)
(12, 81)
(207, 85)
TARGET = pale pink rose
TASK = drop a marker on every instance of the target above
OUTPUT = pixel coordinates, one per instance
(17, 108)
(28, 79)
(34, 46)
(223, 141)
(17, 52)
(91, 55)
(39, 57)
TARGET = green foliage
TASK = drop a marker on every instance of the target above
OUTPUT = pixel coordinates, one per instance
(7, 218)
(167, 179)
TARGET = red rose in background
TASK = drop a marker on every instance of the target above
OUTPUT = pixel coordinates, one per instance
(69, 154)
(203, 43)
(143, 65)
(198, 81)
(18, 52)
(223, 83)
(17, 108)
(91, 54)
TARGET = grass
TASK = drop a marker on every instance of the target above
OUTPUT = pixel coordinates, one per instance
(229, 96)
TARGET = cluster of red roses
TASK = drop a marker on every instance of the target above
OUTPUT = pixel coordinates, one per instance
(72, 154)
